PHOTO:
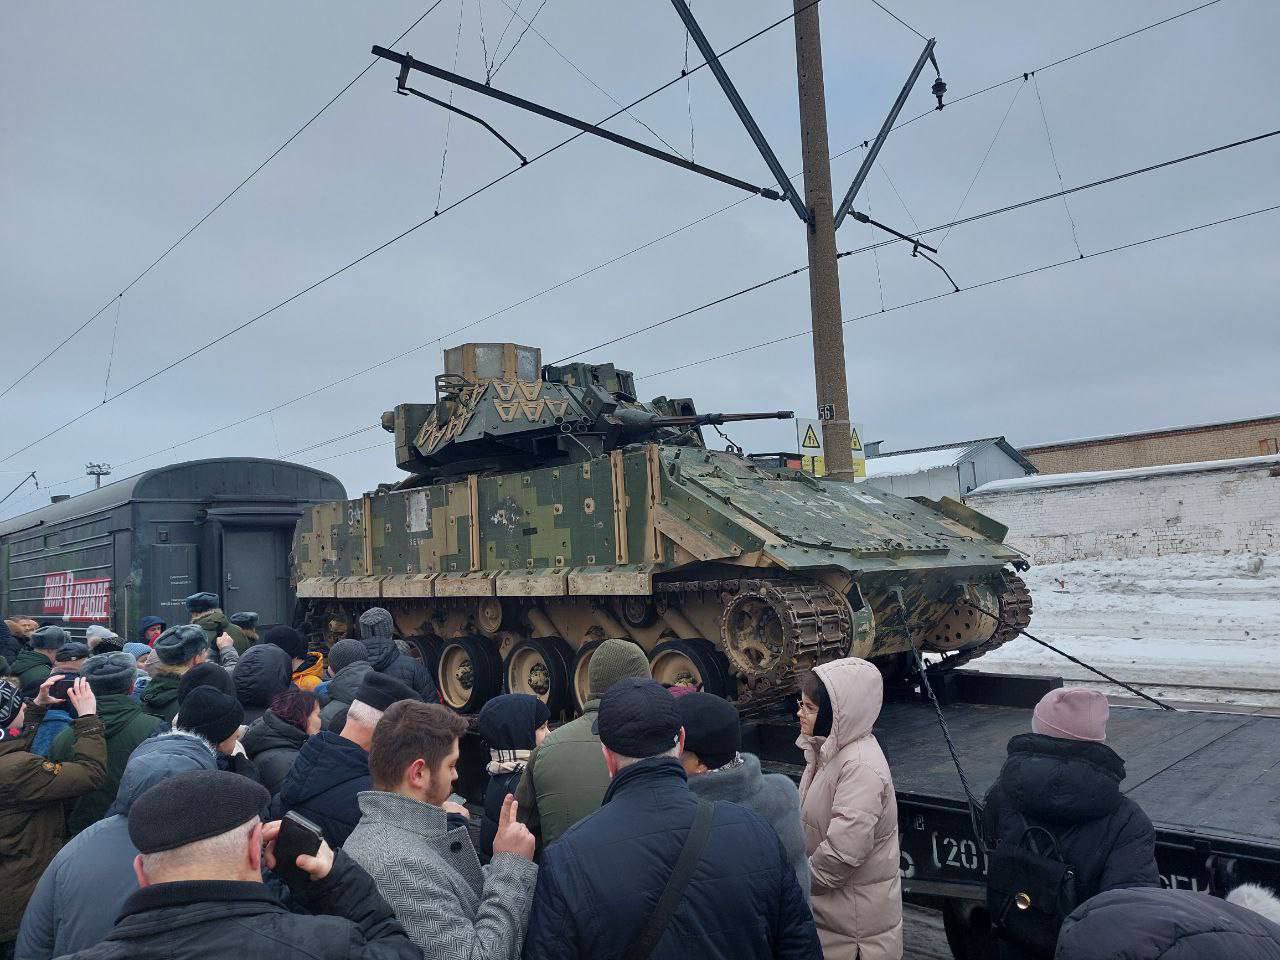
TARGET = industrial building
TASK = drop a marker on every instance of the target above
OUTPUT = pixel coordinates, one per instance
(950, 470)
(1256, 437)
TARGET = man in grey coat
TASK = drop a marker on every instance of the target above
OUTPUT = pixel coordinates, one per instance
(451, 907)
(80, 894)
(717, 770)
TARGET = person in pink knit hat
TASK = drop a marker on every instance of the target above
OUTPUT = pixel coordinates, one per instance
(1062, 781)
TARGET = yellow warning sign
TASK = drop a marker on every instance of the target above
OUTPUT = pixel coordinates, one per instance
(810, 441)
(857, 444)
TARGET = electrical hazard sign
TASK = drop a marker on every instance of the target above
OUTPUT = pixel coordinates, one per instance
(809, 439)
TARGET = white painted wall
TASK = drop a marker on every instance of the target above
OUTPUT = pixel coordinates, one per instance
(1222, 507)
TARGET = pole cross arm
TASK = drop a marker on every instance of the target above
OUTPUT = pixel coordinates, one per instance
(408, 63)
(748, 121)
(847, 203)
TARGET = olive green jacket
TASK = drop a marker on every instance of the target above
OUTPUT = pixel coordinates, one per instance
(126, 727)
(31, 669)
(214, 622)
(159, 697)
(565, 778)
(31, 812)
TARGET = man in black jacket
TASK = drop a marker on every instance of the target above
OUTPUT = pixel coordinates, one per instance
(377, 632)
(201, 892)
(599, 883)
(332, 769)
(1064, 778)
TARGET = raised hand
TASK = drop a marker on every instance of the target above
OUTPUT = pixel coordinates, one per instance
(513, 836)
(82, 698)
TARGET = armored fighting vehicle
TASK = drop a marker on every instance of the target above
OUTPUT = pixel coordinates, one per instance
(545, 509)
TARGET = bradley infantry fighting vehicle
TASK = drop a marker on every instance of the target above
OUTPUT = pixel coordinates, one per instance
(545, 509)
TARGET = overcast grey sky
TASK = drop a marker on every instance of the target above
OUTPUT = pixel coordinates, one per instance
(122, 123)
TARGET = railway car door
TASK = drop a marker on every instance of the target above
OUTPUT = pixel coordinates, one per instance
(175, 569)
(255, 564)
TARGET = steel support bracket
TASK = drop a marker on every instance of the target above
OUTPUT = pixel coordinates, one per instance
(408, 63)
(869, 160)
(740, 108)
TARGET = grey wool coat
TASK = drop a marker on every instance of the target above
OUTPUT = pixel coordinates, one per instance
(771, 795)
(451, 907)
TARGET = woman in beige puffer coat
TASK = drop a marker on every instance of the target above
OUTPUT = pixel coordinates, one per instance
(850, 814)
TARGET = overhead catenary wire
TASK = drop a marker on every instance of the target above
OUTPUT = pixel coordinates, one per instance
(900, 20)
(641, 247)
(974, 286)
(1008, 208)
(111, 356)
(1053, 155)
(384, 245)
(215, 208)
(448, 121)
(527, 27)
(983, 162)
(583, 74)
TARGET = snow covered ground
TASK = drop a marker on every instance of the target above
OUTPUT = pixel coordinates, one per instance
(1207, 622)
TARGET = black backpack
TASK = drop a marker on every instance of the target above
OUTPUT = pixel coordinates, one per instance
(1030, 891)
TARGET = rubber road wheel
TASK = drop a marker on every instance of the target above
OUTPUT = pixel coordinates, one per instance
(693, 661)
(425, 649)
(468, 673)
(581, 666)
(542, 667)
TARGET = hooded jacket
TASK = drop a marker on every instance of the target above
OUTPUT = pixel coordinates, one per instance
(32, 790)
(311, 673)
(31, 668)
(10, 646)
(342, 690)
(145, 624)
(508, 724)
(1072, 789)
(214, 623)
(772, 795)
(451, 907)
(80, 894)
(262, 672)
(324, 785)
(126, 727)
(599, 882)
(160, 696)
(1153, 924)
(272, 745)
(376, 630)
(850, 816)
(195, 919)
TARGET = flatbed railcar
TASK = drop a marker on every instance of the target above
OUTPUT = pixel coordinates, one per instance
(139, 546)
(1209, 781)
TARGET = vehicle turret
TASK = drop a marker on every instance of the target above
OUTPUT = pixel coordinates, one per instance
(498, 408)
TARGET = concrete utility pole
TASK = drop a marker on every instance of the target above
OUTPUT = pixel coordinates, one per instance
(98, 471)
(824, 276)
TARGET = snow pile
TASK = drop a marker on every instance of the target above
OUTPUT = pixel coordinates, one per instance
(1203, 621)
(1044, 481)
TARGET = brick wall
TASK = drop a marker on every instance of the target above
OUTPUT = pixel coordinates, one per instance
(1251, 438)
(1174, 510)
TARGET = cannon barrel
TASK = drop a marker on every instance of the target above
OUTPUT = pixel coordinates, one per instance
(638, 423)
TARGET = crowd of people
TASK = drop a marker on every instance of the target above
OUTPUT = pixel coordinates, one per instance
(149, 791)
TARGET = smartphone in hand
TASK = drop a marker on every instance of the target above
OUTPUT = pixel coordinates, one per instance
(297, 835)
(59, 690)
